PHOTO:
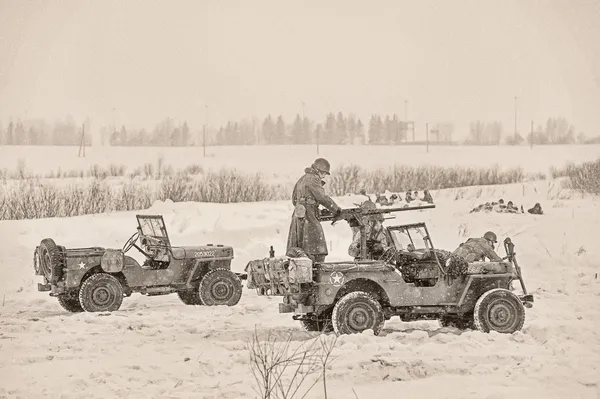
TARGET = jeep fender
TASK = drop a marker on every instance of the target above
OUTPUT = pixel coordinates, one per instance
(98, 269)
(203, 266)
(364, 285)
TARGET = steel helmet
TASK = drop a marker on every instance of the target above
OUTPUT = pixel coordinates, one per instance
(491, 236)
(322, 165)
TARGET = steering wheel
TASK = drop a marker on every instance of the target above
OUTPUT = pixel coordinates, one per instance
(131, 241)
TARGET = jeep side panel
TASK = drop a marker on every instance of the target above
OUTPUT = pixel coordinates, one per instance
(332, 280)
(77, 263)
(462, 291)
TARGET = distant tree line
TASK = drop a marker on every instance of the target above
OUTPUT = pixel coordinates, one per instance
(39, 132)
(337, 129)
(556, 131)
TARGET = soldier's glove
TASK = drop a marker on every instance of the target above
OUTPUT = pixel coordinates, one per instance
(324, 213)
(337, 216)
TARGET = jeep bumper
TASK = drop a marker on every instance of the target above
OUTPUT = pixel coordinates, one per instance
(289, 308)
(527, 300)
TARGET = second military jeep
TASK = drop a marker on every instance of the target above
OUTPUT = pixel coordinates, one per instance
(95, 279)
(411, 280)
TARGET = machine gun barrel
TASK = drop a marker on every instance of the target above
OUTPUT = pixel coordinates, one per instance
(353, 213)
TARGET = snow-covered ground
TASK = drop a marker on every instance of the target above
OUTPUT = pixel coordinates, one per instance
(159, 347)
(280, 161)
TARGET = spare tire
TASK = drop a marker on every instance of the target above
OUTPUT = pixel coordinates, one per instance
(52, 260)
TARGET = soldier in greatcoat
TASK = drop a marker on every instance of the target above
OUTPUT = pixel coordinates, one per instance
(306, 231)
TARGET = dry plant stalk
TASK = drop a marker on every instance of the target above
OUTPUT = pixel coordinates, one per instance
(281, 372)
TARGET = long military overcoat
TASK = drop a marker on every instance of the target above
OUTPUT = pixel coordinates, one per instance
(306, 231)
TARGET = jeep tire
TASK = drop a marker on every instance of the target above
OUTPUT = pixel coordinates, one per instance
(220, 287)
(499, 310)
(101, 292)
(356, 312)
(70, 303)
(190, 297)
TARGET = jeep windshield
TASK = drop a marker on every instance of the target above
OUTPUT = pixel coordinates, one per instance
(409, 238)
(153, 226)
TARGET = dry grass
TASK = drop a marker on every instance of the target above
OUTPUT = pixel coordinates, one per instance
(112, 188)
(351, 179)
(584, 178)
(32, 199)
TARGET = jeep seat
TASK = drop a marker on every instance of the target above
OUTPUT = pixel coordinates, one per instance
(487, 267)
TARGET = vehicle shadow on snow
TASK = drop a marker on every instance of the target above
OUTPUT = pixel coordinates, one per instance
(431, 332)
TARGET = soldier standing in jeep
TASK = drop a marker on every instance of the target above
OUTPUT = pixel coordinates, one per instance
(477, 249)
(306, 231)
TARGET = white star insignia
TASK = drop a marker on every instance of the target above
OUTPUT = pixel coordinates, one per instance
(81, 265)
(337, 278)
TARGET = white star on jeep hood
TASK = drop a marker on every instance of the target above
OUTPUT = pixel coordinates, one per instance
(81, 265)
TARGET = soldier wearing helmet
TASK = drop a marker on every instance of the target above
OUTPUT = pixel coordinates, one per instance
(477, 249)
(376, 240)
(306, 231)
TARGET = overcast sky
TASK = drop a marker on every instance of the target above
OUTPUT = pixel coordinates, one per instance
(454, 61)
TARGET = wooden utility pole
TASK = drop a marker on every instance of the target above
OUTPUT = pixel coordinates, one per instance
(204, 132)
(516, 116)
(426, 135)
(531, 137)
(82, 143)
(318, 138)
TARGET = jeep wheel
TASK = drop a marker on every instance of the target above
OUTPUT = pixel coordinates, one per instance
(220, 287)
(499, 310)
(101, 292)
(190, 297)
(322, 323)
(70, 303)
(51, 260)
(356, 312)
(465, 322)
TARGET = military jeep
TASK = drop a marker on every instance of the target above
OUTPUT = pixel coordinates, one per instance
(96, 279)
(411, 280)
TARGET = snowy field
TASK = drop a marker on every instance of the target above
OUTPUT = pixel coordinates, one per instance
(289, 161)
(157, 347)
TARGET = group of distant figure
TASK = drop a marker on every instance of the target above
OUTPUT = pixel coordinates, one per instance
(509, 207)
(390, 199)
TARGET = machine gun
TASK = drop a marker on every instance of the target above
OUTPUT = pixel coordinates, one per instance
(358, 217)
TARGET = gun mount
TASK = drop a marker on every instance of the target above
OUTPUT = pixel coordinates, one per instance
(359, 217)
